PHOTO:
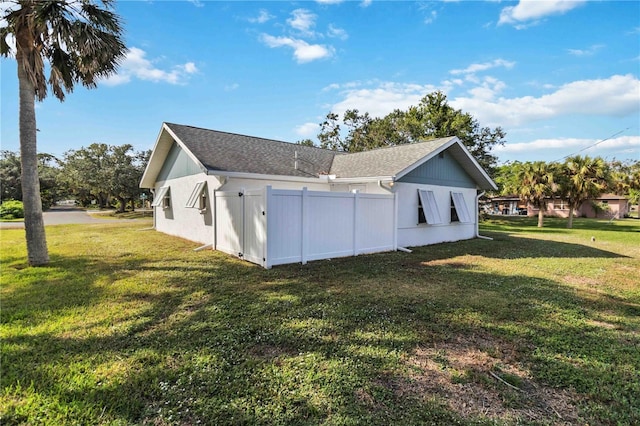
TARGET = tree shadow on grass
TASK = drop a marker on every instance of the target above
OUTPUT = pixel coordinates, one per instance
(506, 246)
(217, 340)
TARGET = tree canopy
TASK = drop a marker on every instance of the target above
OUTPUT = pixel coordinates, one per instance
(432, 118)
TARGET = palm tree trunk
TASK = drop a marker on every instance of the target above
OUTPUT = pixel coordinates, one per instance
(570, 222)
(37, 252)
(540, 217)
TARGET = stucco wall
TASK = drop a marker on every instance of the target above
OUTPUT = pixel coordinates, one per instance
(410, 233)
(180, 221)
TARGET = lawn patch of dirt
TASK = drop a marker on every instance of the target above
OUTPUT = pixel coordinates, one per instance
(479, 376)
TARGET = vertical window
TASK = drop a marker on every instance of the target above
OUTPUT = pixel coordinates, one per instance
(162, 198)
(198, 197)
(454, 213)
(428, 208)
(459, 211)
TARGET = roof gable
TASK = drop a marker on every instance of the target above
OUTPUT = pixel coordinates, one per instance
(221, 153)
(388, 161)
(443, 170)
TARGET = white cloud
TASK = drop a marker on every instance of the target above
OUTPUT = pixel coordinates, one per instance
(231, 87)
(380, 98)
(196, 3)
(586, 52)
(302, 51)
(366, 3)
(618, 95)
(190, 68)
(136, 65)
(431, 17)
(303, 21)
(571, 146)
(474, 68)
(307, 130)
(329, 1)
(530, 11)
(263, 16)
(336, 32)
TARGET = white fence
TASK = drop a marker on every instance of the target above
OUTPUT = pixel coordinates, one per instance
(274, 226)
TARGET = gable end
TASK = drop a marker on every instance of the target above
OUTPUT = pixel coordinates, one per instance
(177, 164)
(442, 170)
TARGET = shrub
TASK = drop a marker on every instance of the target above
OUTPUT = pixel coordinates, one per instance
(11, 209)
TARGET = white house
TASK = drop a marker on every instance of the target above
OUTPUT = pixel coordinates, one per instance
(273, 202)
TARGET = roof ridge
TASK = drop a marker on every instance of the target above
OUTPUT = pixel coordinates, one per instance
(397, 146)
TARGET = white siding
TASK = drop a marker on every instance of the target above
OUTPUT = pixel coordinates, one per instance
(411, 234)
(181, 221)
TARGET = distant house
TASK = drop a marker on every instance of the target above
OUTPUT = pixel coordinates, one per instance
(604, 206)
(272, 202)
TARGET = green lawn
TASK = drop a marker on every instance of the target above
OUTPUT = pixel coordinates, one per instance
(133, 327)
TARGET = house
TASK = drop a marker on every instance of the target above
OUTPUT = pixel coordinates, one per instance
(506, 205)
(273, 202)
(604, 206)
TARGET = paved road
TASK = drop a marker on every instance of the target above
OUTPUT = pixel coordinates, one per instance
(62, 215)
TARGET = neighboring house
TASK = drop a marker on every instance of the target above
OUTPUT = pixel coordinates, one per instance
(274, 202)
(507, 204)
(605, 206)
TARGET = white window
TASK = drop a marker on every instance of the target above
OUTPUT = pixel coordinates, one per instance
(198, 197)
(162, 198)
(459, 211)
(428, 208)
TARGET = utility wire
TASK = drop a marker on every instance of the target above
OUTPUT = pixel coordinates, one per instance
(591, 146)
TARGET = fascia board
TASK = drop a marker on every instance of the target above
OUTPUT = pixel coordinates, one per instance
(159, 155)
(363, 179)
(478, 166)
(258, 176)
(427, 157)
(184, 147)
(454, 140)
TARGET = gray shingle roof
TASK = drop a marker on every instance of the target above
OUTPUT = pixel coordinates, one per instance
(233, 153)
(230, 152)
(384, 161)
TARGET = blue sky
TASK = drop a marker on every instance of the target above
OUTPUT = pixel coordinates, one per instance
(559, 76)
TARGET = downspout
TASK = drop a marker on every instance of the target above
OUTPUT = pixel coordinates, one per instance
(478, 218)
(153, 209)
(391, 189)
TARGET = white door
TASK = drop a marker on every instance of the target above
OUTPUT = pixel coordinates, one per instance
(229, 222)
(241, 224)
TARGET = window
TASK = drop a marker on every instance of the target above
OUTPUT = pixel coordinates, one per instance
(198, 197)
(454, 212)
(459, 211)
(162, 198)
(427, 208)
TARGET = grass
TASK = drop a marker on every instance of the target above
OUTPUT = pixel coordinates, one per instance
(114, 214)
(133, 327)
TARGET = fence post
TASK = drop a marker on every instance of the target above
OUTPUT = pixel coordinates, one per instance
(356, 208)
(395, 220)
(268, 225)
(304, 221)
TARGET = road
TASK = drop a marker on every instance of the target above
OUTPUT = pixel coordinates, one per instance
(63, 215)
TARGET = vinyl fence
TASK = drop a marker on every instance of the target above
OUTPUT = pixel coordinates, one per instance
(274, 226)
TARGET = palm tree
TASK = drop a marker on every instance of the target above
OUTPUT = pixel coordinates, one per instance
(535, 183)
(81, 42)
(585, 178)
